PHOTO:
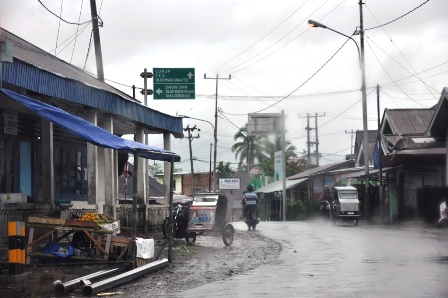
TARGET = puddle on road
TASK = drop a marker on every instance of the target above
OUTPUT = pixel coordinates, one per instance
(395, 262)
(439, 260)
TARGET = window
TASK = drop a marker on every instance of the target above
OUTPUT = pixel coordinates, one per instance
(7, 162)
(70, 170)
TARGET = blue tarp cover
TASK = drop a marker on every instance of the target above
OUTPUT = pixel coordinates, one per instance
(90, 132)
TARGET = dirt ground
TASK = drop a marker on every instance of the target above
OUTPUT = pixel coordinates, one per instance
(209, 260)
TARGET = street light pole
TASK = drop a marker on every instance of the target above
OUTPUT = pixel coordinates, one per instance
(312, 23)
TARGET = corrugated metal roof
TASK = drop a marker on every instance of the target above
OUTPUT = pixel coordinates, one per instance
(439, 121)
(278, 185)
(38, 71)
(36, 57)
(321, 169)
(409, 121)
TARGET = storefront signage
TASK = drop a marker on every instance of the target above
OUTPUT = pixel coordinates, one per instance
(10, 122)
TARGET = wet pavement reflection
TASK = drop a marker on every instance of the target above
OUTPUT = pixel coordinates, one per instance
(319, 259)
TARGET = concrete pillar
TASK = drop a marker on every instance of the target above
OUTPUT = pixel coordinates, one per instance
(110, 180)
(141, 179)
(47, 160)
(92, 164)
(166, 168)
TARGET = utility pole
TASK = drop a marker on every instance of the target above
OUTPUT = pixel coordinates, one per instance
(215, 133)
(97, 41)
(210, 170)
(352, 134)
(308, 143)
(284, 165)
(317, 139)
(190, 138)
(316, 142)
(380, 169)
(364, 113)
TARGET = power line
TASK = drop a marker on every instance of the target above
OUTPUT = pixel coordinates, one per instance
(69, 41)
(398, 17)
(412, 73)
(405, 78)
(276, 42)
(392, 98)
(382, 66)
(306, 81)
(59, 26)
(261, 38)
(77, 29)
(62, 18)
(301, 85)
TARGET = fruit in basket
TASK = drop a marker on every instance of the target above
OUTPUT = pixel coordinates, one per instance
(95, 217)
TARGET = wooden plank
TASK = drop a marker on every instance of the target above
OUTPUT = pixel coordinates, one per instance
(47, 220)
(29, 248)
(41, 237)
(79, 223)
(107, 246)
(123, 253)
(97, 243)
(42, 255)
(99, 231)
(66, 234)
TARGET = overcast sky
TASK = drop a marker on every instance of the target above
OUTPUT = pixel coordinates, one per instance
(275, 60)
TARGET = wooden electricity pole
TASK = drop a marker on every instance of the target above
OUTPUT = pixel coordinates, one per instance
(215, 133)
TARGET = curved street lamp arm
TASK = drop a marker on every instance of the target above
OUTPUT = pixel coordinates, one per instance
(316, 24)
(349, 37)
(188, 117)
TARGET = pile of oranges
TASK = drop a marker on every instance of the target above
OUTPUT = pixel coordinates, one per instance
(95, 217)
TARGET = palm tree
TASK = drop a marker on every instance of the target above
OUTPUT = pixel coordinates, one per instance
(272, 147)
(252, 146)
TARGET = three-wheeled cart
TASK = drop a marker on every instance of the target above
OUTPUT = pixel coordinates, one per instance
(211, 214)
(347, 203)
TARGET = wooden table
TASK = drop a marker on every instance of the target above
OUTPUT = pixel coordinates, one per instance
(96, 235)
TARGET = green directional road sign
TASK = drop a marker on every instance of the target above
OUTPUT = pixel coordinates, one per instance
(173, 83)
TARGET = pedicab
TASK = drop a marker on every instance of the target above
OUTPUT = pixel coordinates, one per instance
(346, 203)
(211, 214)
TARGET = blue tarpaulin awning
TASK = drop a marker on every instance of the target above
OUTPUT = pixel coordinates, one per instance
(89, 132)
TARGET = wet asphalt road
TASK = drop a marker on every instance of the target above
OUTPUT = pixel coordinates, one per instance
(322, 260)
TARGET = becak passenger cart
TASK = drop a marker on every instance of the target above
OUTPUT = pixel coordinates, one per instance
(347, 203)
(211, 214)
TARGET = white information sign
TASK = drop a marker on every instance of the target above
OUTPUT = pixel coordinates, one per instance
(229, 183)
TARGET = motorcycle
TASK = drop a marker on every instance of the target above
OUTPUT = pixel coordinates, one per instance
(328, 210)
(180, 224)
(251, 217)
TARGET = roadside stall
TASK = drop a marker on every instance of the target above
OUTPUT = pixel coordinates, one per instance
(90, 237)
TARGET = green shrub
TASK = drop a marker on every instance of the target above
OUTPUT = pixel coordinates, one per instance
(297, 209)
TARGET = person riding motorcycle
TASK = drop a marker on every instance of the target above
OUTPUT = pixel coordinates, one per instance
(325, 198)
(249, 197)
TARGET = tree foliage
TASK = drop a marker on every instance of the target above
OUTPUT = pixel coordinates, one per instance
(261, 152)
(223, 170)
(157, 169)
(252, 146)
